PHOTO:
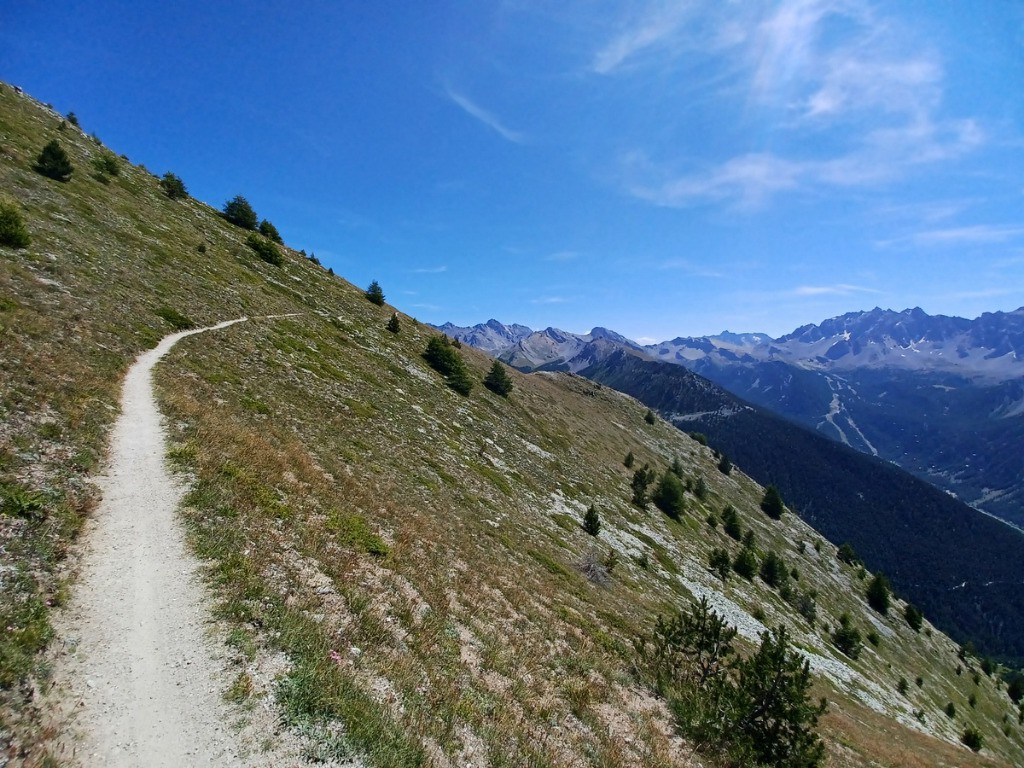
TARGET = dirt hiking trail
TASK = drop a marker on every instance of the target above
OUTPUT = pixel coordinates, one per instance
(138, 670)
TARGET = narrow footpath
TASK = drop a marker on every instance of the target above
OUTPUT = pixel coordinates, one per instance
(138, 670)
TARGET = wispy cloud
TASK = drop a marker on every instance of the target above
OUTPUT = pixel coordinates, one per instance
(657, 25)
(976, 234)
(979, 233)
(430, 270)
(491, 121)
(549, 300)
(750, 180)
(852, 98)
(839, 289)
(429, 307)
(694, 270)
(562, 256)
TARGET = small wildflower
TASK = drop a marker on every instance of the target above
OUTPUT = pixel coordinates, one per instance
(335, 657)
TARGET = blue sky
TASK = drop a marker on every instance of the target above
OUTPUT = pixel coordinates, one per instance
(659, 168)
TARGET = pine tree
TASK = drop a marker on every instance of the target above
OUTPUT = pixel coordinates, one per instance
(498, 380)
(731, 523)
(879, 594)
(745, 563)
(240, 213)
(173, 186)
(393, 324)
(447, 361)
(628, 461)
(772, 504)
(649, 416)
(847, 637)
(592, 521)
(374, 294)
(724, 465)
(53, 162)
(669, 496)
(270, 232)
(913, 617)
(720, 562)
(642, 478)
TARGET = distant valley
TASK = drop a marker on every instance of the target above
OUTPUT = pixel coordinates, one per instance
(942, 397)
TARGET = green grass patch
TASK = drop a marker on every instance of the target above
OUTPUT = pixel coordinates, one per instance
(352, 530)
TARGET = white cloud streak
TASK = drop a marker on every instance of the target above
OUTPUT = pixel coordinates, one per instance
(657, 26)
(474, 110)
(839, 289)
(852, 97)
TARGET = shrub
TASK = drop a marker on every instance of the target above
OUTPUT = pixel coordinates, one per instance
(13, 232)
(1015, 689)
(700, 489)
(447, 361)
(750, 711)
(847, 555)
(913, 617)
(375, 295)
(106, 163)
(972, 738)
(173, 186)
(649, 416)
(724, 465)
(805, 603)
(53, 162)
(265, 249)
(950, 710)
(270, 232)
(773, 570)
(700, 437)
(642, 478)
(772, 504)
(745, 563)
(846, 637)
(592, 521)
(972, 701)
(393, 325)
(902, 686)
(498, 381)
(240, 213)
(879, 594)
(629, 460)
(720, 562)
(175, 319)
(731, 523)
(874, 638)
(669, 496)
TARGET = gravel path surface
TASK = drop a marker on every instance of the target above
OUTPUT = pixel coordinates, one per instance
(138, 670)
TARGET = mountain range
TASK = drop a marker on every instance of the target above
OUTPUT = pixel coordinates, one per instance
(942, 397)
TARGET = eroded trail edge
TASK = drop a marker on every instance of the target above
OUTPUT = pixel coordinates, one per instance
(138, 669)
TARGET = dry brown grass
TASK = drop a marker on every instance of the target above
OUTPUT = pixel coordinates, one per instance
(393, 563)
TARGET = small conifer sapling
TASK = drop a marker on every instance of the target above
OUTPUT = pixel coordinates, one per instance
(54, 163)
(375, 294)
(498, 381)
(592, 521)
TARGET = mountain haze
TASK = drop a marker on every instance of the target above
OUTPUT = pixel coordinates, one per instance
(398, 573)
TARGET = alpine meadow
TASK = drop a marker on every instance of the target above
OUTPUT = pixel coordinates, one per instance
(413, 555)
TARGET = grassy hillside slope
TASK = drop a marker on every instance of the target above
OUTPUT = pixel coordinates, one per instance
(400, 571)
